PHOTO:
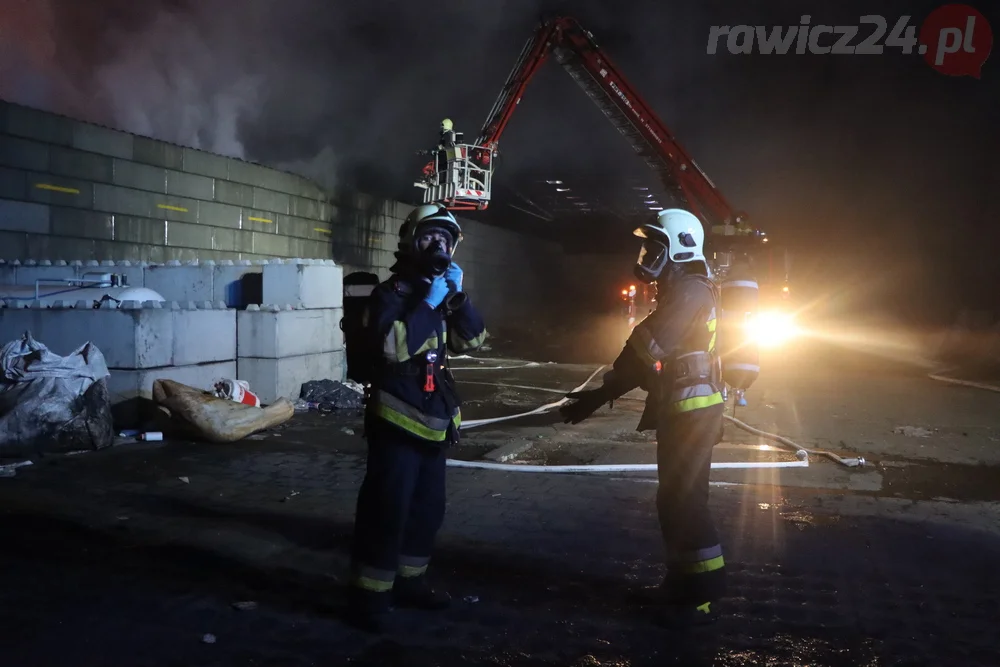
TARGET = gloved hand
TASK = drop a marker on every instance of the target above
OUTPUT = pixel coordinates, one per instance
(587, 404)
(454, 275)
(437, 292)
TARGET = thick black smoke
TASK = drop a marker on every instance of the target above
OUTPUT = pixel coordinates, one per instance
(877, 165)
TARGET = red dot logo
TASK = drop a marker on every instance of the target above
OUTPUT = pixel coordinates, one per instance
(956, 40)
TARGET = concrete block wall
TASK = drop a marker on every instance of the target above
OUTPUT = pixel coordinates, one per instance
(190, 342)
(296, 337)
(511, 278)
(191, 337)
(70, 189)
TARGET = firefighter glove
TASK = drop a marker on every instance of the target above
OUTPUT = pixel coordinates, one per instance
(437, 292)
(454, 274)
(586, 403)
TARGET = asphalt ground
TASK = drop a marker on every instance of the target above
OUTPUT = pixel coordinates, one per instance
(133, 555)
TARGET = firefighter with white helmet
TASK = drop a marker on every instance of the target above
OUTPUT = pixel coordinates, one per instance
(672, 355)
(412, 416)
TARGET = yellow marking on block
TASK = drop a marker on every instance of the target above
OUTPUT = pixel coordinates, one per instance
(320, 229)
(259, 219)
(57, 188)
(172, 208)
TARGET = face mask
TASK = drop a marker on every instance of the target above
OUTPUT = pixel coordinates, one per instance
(435, 259)
(653, 257)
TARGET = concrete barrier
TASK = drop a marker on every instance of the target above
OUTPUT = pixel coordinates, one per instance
(281, 347)
(134, 336)
(311, 283)
(211, 325)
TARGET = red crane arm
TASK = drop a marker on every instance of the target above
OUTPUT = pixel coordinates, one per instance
(576, 50)
(533, 56)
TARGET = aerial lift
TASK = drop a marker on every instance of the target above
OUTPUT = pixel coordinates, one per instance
(466, 182)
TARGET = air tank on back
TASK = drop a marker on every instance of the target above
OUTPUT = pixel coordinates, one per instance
(92, 288)
(738, 350)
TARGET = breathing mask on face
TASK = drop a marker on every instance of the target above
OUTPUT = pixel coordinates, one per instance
(435, 258)
(653, 258)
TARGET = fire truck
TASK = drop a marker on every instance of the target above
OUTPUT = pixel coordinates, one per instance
(466, 179)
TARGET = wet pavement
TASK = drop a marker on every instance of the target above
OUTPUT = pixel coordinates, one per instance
(134, 555)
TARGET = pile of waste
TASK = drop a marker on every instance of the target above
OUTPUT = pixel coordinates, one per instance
(330, 395)
(51, 404)
(201, 415)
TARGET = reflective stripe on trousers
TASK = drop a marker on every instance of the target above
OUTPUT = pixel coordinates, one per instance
(408, 418)
(381, 581)
(697, 561)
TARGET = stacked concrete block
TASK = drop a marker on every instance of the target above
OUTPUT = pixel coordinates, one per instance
(124, 196)
(174, 281)
(296, 336)
(26, 273)
(304, 283)
(190, 342)
(237, 283)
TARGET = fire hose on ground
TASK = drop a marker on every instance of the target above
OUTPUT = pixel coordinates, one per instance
(802, 454)
(940, 376)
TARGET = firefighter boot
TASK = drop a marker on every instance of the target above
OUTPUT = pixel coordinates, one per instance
(368, 610)
(682, 616)
(416, 593)
(671, 606)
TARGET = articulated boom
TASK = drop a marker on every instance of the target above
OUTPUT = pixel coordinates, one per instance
(575, 49)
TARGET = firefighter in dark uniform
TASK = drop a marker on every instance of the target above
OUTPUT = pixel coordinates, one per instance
(412, 416)
(447, 138)
(671, 354)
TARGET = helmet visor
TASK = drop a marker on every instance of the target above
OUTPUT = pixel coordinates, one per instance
(652, 257)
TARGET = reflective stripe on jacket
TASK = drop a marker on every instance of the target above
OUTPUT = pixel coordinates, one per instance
(410, 330)
(681, 334)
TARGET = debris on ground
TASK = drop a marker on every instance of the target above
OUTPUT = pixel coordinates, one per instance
(236, 390)
(200, 415)
(913, 431)
(330, 395)
(10, 469)
(53, 404)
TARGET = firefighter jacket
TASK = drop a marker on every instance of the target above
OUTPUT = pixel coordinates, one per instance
(412, 387)
(672, 352)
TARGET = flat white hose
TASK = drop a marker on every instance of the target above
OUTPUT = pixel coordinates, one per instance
(938, 375)
(624, 467)
(537, 411)
(801, 453)
(854, 462)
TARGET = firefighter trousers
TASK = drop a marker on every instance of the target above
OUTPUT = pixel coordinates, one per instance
(695, 567)
(400, 509)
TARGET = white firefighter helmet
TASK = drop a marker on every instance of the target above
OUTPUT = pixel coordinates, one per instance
(426, 217)
(447, 125)
(676, 236)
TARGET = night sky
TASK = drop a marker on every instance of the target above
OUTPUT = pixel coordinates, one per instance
(876, 169)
